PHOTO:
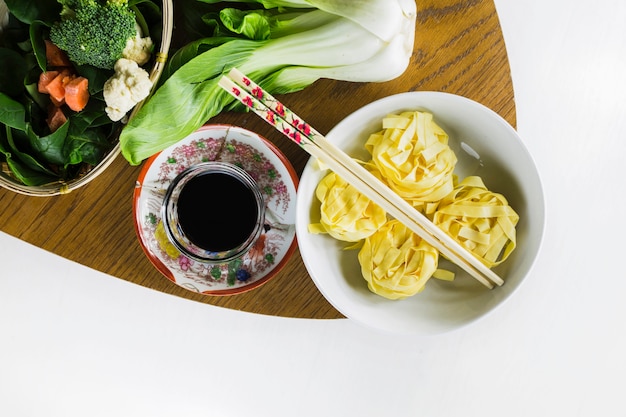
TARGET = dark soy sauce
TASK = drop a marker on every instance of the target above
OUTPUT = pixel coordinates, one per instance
(217, 211)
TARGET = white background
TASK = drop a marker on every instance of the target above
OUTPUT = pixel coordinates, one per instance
(74, 342)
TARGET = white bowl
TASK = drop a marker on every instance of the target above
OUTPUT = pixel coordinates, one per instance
(485, 145)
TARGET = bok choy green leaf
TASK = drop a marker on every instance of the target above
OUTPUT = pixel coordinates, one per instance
(285, 45)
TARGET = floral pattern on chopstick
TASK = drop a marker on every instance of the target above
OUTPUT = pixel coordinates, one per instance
(274, 112)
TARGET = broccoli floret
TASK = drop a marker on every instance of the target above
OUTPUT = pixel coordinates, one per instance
(94, 32)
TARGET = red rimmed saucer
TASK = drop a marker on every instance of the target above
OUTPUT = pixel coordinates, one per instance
(277, 180)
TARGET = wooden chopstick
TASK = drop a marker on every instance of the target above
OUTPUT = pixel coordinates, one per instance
(292, 126)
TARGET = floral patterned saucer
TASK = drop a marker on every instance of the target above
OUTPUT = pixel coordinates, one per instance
(277, 180)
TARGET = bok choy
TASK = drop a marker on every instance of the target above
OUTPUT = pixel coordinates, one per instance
(285, 45)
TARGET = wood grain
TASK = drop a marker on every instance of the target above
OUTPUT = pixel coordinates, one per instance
(459, 49)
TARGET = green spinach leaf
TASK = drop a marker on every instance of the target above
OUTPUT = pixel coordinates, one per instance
(41, 99)
(28, 11)
(12, 113)
(50, 148)
(87, 146)
(28, 176)
(28, 165)
(12, 72)
(37, 31)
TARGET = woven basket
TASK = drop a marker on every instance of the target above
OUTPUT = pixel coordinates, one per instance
(8, 181)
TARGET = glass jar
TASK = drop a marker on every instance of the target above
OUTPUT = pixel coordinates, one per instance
(213, 212)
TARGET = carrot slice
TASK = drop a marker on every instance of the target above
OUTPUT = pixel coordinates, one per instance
(56, 118)
(56, 88)
(77, 93)
(55, 56)
(44, 79)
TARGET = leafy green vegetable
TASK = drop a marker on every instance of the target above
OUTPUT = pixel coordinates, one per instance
(37, 32)
(50, 147)
(28, 11)
(12, 113)
(380, 17)
(33, 153)
(26, 168)
(285, 45)
(27, 175)
(13, 68)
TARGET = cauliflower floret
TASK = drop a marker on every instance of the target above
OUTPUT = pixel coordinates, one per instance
(128, 86)
(138, 49)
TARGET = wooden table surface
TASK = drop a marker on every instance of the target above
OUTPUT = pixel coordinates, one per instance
(459, 49)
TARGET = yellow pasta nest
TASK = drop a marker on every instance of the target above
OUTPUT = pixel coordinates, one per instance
(395, 262)
(346, 214)
(413, 157)
(480, 220)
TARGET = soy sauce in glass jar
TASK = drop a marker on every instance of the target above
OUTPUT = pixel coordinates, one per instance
(213, 212)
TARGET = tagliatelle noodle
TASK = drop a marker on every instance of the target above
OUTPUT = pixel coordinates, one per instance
(397, 263)
(444, 275)
(346, 214)
(480, 220)
(413, 157)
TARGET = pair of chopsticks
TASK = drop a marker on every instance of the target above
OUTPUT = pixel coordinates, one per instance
(296, 129)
